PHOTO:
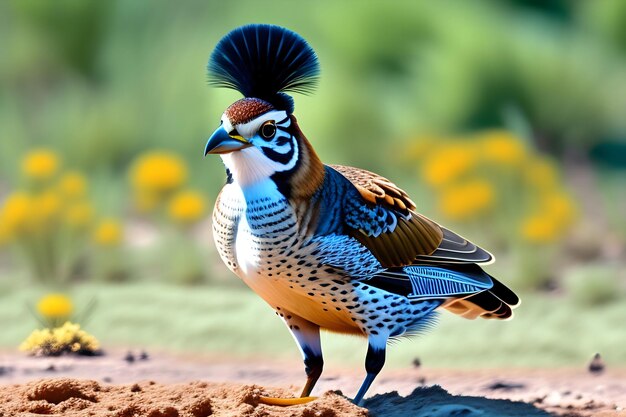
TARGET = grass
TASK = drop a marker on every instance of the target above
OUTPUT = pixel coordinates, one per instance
(546, 332)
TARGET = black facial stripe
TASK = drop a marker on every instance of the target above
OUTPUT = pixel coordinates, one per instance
(282, 121)
(281, 140)
(282, 178)
(229, 176)
(281, 158)
(282, 128)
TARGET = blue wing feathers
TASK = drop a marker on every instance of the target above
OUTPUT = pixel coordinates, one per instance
(475, 278)
(434, 281)
(477, 293)
(426, 281)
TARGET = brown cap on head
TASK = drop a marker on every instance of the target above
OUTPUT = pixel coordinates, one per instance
(246, 109)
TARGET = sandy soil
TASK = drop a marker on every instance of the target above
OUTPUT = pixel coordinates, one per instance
(168, 386)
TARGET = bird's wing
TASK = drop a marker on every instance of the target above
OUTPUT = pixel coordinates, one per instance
(467, 290)
(457, 250)
(383, 220)
(376, 189)
(386, 223)
(432, 281)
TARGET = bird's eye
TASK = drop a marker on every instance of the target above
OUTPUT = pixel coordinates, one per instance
(268, 130)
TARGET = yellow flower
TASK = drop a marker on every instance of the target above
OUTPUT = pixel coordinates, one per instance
(55, 306)
(448, 163)
(467, 200)
(108, 233)
(78, 214)
(541, 173)
(40, 164)
(73, 185)
(158, 172)
(45, 208)
(502, 147)
(16, 214)
(24, 214)
(146, 201)
(5, 232)
(68, 338)
(187, 206)
(560, 207)
(540, 229)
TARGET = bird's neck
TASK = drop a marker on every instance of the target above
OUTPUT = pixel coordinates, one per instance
(250, 170)
(308, 176)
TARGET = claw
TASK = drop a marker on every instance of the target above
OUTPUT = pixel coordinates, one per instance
(284, 402)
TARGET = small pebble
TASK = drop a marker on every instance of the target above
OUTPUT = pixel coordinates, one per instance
(596, 366)
(505, 386)
(5, 370)
(130, 358)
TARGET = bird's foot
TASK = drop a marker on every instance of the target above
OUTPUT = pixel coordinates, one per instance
(284, 402)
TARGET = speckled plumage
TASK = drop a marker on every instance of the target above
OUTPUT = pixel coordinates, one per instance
(318, 277)
(333, 247)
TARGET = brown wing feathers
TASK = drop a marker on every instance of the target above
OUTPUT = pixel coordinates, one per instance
(497, 302)
(414, 234)
(455, 249)
(416, 238)
(410, 237)
(376, 189)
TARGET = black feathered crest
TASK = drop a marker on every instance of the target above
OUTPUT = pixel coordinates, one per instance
(264, 61)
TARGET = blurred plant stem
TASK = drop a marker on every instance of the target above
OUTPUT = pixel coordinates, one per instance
(40, 255)
(185, 259)
(612, 188)
(534, 267)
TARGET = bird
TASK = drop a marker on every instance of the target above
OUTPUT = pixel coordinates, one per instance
(328, 247)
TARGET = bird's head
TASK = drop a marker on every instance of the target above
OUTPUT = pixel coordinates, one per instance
(258, 136)
(255, 136)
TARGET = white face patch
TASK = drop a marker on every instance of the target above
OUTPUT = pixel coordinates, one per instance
(249, 166)
(250, 129)
(267, 156)
(228, 127)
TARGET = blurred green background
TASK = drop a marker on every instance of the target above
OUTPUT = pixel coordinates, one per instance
(505, 120)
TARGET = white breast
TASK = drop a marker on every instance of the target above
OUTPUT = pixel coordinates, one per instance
(267, 226)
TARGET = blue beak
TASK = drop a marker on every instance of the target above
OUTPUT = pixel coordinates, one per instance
(221, 142)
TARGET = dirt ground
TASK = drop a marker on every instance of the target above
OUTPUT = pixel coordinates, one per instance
(163, 385)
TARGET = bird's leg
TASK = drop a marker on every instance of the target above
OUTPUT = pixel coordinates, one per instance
(374, 361)
(313, 366)
(307, 335)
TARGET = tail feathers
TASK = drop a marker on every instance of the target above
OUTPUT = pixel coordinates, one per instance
(497, 302)
(504, 293)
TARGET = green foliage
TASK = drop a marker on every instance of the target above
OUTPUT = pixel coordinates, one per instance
(613, 199)
(545, 331)
(101, 81)
(606, 19)
(595, 284)
(72, 29)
